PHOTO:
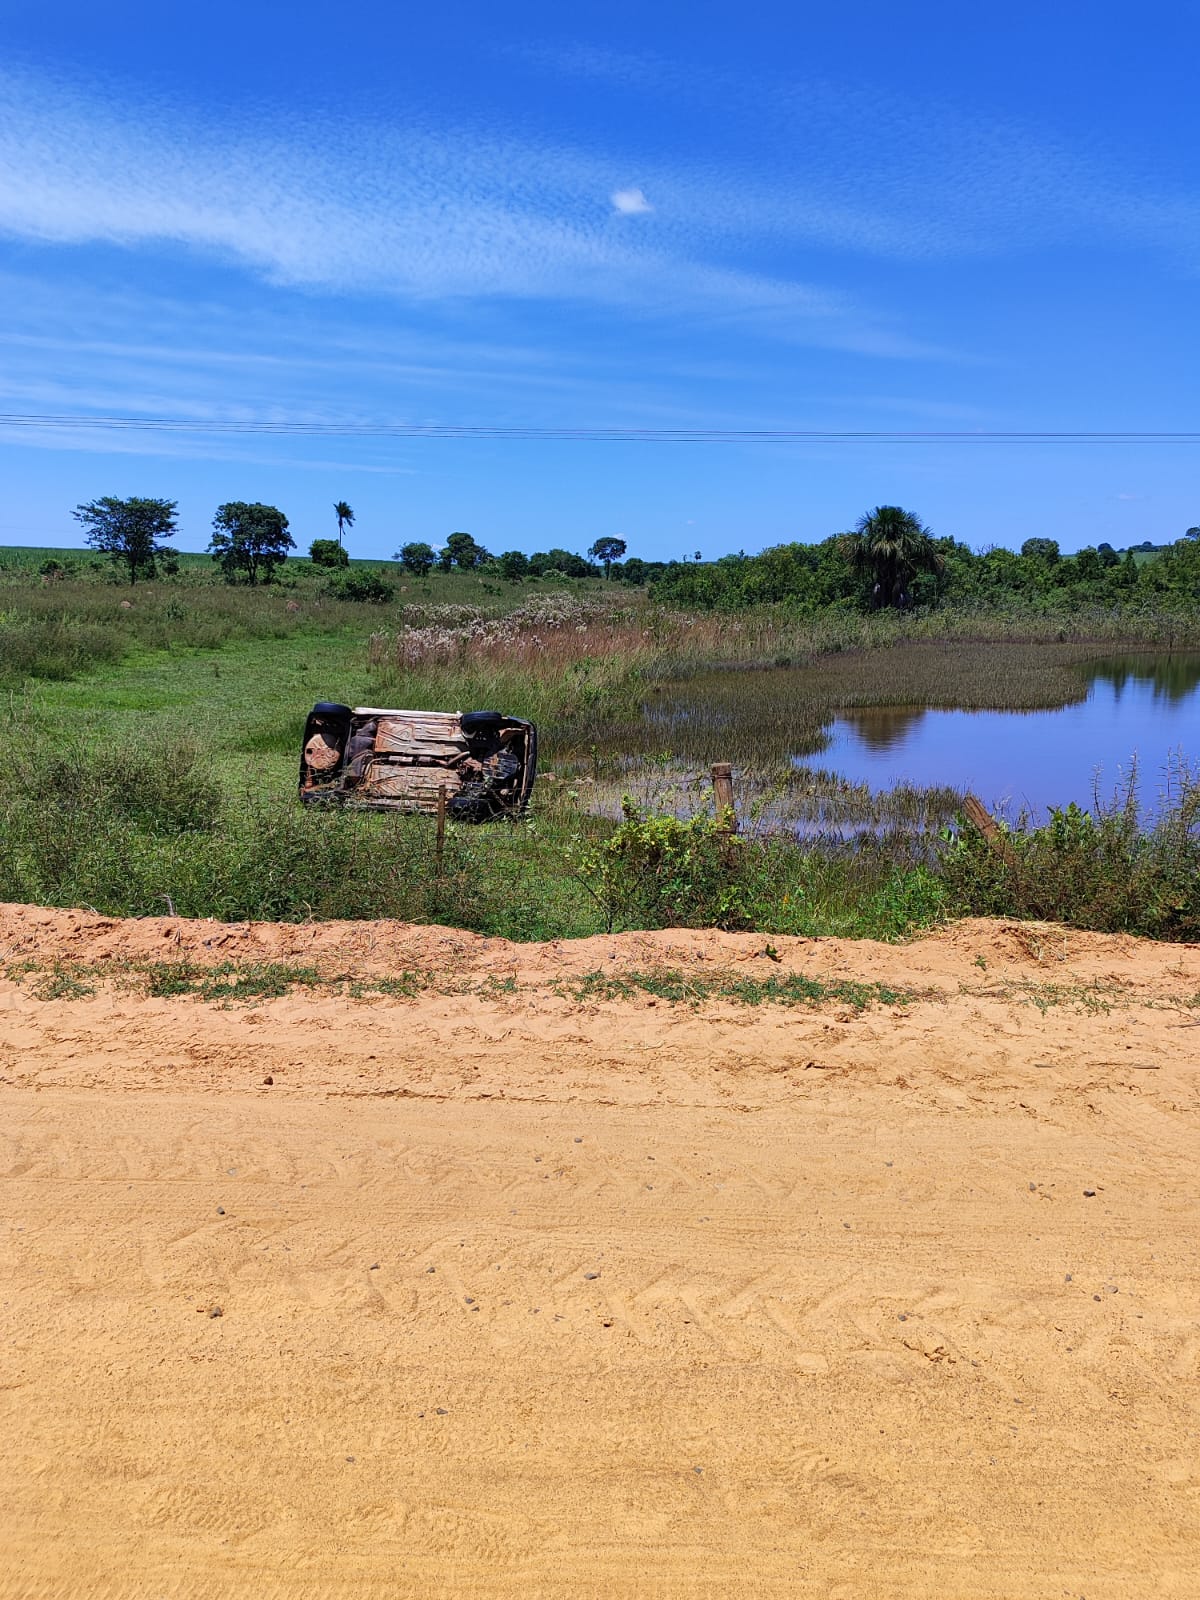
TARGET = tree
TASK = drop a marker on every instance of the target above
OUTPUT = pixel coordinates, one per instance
(1088, 565)
(513, 565)
(416, 558)
(345, 517)
(129, 531)
(328, 553)
(606, 551)
(1044, 550)
(250, 538)
(562, 561)
(892, 546)
(464, 552)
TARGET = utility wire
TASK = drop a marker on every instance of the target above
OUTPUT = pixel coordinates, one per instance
(445, 430)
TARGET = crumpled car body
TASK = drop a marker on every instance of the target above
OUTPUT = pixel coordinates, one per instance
(392, 760)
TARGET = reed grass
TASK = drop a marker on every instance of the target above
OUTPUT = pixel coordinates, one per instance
(754, 686)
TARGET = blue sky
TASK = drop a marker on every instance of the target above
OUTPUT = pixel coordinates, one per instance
(869, 217)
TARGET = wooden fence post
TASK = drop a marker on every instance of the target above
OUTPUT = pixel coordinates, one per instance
(978, 816)
(440, 842)
(722, 781)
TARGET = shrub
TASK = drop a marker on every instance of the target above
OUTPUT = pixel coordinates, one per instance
(371, 587)
(661, 871)
(328, 553)
(418, 558)
(161, 786)
(78, 820)
(53, 647)
(1098, 870)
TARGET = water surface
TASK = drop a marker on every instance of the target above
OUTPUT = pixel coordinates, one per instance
(1143, 708)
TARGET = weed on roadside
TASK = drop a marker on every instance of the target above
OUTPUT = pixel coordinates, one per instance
(1096, 999)
(678, 988)
(62, 983)
(250, 983)
(230, 980)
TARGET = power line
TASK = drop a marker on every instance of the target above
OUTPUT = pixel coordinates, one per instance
(445, 430)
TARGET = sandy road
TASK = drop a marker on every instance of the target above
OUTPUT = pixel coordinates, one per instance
(522, 1296)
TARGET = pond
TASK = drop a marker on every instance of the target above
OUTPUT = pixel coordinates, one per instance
(1145, 709)
(896, 735)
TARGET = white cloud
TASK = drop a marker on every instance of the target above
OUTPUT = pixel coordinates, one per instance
(630, 202)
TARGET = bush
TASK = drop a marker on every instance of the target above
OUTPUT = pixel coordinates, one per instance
(328, 553)
(659, 872)
(76, 818)
(139, 828)
(1099, 870)
(53, 647)
(371, 587)
(160, 786)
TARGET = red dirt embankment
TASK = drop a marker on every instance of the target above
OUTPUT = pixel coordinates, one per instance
(525, 1295)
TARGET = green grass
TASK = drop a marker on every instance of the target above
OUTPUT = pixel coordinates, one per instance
(251, 983)
(227, 981)
(678, 988)
(61, 984)
(140, 826)
(57, 627)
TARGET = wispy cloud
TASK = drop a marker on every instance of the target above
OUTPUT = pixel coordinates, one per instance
(284, 357)
(891, 174)
(413, 213)
(182, 447)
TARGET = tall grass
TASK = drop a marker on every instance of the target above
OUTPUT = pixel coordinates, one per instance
(135, 832)
(65, 629)
(583, 666)
(58, 627)
(641, 701)
(1098, 869)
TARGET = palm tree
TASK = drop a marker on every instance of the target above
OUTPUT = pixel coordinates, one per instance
(892, 546)
(345, 517)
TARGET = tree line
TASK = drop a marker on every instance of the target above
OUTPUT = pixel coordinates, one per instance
(461, 551)
(890, 559)
(251, 540)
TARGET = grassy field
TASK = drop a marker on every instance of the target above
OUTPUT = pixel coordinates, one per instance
(155, 735)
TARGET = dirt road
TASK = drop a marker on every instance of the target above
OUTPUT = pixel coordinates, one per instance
(504, 1292)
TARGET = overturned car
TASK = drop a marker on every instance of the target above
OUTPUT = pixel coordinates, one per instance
(402, 760)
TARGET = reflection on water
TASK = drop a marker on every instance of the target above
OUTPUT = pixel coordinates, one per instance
(1140, 708)
(884, 727)
(1172, 678)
